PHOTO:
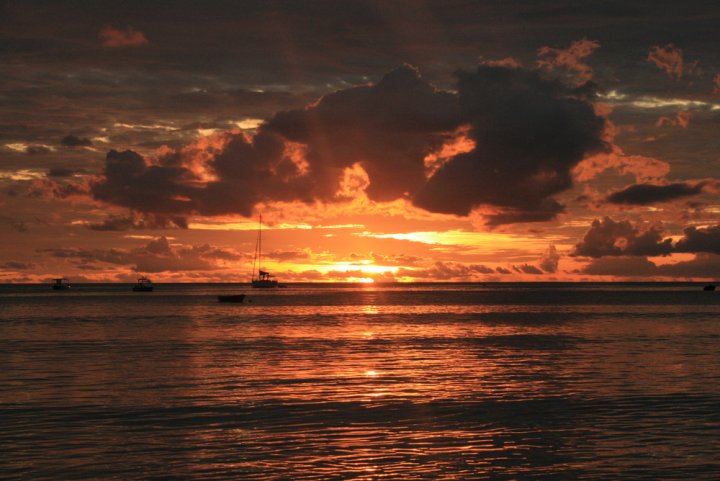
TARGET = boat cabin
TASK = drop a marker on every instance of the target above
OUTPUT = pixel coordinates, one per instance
(143, 285)
(61, 284)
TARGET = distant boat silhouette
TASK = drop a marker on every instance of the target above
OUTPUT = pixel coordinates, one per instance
(231, 298)
(61, 284)
(709, 287)
(143, 285)
(264, 278)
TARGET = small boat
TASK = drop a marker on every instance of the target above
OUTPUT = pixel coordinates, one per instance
(231, 298)
(264, 279)
(143, 285)
(709, 287)
(61, 284)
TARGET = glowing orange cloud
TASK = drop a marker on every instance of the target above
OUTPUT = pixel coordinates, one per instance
(114, 38)
(642, 167)
(682, 119)
(569, 58)
(668, 58)
(458, 143)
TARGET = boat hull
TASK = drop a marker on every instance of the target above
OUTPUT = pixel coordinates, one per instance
(142, 289)
(264, 283)
(232, 298)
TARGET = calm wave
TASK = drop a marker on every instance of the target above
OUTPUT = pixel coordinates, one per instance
(442, 382)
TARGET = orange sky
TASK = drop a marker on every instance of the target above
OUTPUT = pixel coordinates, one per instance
(462, 143)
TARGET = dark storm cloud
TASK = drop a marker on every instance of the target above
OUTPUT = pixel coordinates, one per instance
(644, 194)
(387, 128)
(529, 132)
(252, 59)
(700, 240)
(75, 141)
(702, 266)
(610, 238)
(130, 182)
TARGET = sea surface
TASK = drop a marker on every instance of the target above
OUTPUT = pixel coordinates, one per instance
(372, 382)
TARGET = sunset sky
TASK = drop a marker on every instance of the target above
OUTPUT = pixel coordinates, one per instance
(380, 140)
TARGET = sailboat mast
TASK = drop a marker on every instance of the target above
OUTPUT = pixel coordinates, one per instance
(260, 244)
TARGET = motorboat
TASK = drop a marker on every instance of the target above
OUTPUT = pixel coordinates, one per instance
(60, 284)
(143, 285)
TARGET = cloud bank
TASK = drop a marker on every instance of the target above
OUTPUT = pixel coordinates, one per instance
(610, 238)
(525, 134)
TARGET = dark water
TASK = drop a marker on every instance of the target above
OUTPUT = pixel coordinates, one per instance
(448, 382)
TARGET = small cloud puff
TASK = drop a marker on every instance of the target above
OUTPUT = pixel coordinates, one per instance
(112, 37)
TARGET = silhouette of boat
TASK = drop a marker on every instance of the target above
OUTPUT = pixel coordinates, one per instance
(709, 287)
(61, 284)
(231, 298)
(264, 279)
(143, 285)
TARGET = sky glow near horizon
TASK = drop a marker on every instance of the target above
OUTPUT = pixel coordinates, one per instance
(401, 141)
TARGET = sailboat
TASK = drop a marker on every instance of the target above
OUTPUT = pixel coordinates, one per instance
(264, 278)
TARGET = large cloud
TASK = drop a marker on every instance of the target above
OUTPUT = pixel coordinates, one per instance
(610, 238)
(387, 128)
(526, 135)
(529, 132)
(702, 266)
(700, 240)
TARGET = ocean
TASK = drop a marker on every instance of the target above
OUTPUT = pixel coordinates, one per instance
(361, 382)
